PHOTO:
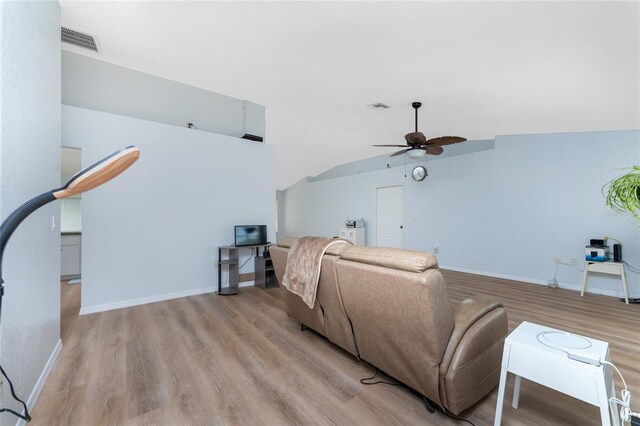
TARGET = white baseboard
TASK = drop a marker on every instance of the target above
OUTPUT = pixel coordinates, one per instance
(567, 286)
(85, 310)
(31, 402)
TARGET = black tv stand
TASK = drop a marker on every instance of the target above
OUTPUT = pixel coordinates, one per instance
(231, 260)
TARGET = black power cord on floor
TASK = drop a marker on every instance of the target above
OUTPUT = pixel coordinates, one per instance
(451, 416)
(24, 416)
(366, 381)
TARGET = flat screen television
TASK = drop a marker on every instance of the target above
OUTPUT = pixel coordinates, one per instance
(250, 235)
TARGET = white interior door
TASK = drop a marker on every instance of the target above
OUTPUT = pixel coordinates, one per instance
(390, 216)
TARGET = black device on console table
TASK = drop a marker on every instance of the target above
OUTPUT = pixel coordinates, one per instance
(617, 252)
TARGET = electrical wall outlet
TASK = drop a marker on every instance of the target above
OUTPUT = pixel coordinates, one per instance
(574, 261)
(557, 259)
(436, 249)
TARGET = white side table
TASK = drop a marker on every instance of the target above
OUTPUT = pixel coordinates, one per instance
(525, 356)
(612, 268)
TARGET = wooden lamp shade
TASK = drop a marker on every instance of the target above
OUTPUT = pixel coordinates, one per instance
(99, 173)
(85, 180)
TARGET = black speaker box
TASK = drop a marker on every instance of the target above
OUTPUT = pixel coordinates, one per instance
(617, 252)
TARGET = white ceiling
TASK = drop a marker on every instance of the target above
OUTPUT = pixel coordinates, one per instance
(480, 68)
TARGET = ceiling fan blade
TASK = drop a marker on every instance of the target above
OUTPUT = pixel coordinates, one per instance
(401, 152)
(415, 138)
(395, 146)
(434, 149)
(445, 140)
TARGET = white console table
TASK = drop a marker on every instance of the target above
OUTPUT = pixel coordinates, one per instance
(611, 268)
(525, 356)
(355, 235)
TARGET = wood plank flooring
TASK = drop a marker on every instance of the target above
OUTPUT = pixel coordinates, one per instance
(219, 360)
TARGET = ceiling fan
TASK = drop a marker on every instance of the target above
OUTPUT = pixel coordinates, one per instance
(419, 146)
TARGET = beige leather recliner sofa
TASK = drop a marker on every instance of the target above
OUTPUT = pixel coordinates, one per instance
(390, 307)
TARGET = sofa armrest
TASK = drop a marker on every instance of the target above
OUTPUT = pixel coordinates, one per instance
(465, 315)
(471, 362)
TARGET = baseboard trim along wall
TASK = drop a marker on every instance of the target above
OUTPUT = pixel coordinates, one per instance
(567, 286)
(85, 310)
(31, 402)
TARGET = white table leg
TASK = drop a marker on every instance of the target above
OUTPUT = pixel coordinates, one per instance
(624, 283)
(603, 396)
(605, 415)
(607, 371)
(501, 389)
(615, 413)
(585, 278)
(516, 393)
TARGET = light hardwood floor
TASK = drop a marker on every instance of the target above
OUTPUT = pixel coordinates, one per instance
(240, 360)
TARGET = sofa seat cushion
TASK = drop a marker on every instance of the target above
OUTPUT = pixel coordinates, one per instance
(394, 258)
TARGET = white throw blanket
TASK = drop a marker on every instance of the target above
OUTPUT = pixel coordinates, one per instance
(304, 262)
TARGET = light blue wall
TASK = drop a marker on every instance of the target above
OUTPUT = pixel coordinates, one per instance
(29, 165)
(102, 86)
(505, 211)
(153, 232)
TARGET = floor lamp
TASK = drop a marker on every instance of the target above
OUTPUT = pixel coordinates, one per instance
(83, 181)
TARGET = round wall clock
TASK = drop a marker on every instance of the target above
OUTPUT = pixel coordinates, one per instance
(419, 173)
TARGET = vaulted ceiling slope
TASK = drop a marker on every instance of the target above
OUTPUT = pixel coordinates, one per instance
(480, 68)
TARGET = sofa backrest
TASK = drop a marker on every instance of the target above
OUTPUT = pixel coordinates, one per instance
(400, 311)
(392, 302)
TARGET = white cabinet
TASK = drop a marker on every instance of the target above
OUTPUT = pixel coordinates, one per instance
(355, 235)
(70, 255)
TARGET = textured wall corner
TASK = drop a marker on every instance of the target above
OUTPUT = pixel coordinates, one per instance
(29, 165)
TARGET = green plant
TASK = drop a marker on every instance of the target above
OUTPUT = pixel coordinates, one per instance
(623, 192)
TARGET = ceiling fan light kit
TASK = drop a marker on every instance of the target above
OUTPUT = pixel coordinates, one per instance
(416, 154)
(417, 146)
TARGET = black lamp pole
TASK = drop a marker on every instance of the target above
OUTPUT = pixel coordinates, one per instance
(85, 180)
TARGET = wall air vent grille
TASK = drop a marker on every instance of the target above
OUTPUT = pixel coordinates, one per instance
(79, 39)
(253, 137)
(379, 105)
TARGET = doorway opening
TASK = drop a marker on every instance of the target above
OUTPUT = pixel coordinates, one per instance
(71, 245)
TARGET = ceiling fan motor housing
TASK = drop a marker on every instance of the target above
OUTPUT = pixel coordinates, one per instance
(417, 143)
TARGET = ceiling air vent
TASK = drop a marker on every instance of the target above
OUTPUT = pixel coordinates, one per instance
(79, 39)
